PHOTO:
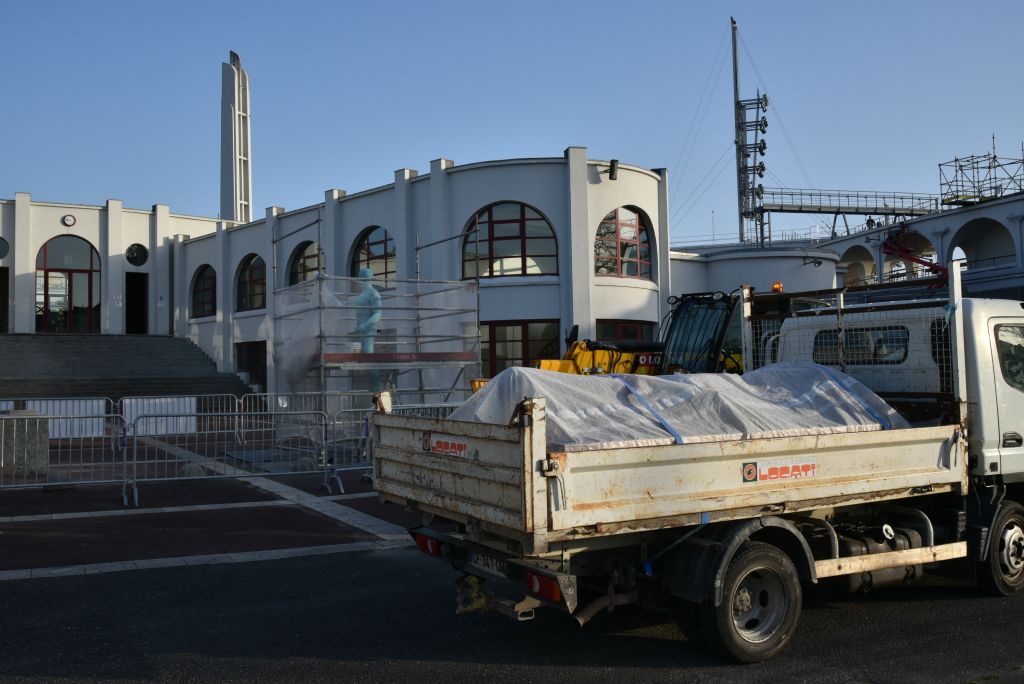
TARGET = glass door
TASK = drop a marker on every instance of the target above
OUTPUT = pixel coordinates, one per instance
(67, 287)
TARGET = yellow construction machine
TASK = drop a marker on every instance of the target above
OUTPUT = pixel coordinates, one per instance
(701, 335)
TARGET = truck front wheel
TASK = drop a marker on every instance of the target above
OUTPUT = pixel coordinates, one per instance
(1002, 572)
(760, 605)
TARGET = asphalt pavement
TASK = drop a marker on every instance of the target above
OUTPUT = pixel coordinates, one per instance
(228, 581)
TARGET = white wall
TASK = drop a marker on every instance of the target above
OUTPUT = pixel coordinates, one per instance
(795, 269)
(27, 225)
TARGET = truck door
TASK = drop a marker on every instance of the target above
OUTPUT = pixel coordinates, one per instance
(1008, 356)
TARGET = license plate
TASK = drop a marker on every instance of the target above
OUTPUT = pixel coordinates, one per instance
(489, 564)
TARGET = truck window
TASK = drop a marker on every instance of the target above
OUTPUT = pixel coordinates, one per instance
(862, 346)
(942, 354)
(1010, 345)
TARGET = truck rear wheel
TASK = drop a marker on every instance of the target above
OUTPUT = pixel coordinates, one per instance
(760, 605)
(1002, 572)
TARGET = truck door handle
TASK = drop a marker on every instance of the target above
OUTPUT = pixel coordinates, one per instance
(1012, 439)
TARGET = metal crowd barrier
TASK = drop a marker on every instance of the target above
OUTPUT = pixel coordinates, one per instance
(64, 407)
(169, 447)
(40, 451)
(137, 439)
(275, 402)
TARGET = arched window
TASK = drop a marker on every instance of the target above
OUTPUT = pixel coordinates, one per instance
(67, 286)
(509, 239)
(622, 246)
(204, 292)
(304, 264)
(251, 284)
(375, 250)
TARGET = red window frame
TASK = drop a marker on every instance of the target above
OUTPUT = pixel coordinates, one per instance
(614, 249)
(204, 292)
(484, 220)
(305, 260)
(621, 330)
(251, 287)
(532, 348)
(44, 267)
(384, 266)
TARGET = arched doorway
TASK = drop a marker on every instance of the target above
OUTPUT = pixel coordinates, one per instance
(67, 286)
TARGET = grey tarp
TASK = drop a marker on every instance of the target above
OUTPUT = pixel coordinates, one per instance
(605, 411)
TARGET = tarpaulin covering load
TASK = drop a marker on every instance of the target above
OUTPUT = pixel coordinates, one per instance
(611, 411)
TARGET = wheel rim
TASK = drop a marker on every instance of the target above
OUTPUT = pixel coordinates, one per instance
(759, 605)
(1011, 549)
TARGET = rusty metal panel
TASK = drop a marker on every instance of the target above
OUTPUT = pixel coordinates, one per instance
(634, 484)
(470, 469)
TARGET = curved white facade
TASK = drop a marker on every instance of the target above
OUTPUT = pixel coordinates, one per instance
(433, 210)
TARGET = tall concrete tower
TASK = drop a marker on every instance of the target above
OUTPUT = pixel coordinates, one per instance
(235, 143)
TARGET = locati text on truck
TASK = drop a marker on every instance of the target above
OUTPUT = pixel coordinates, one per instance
(726, 531)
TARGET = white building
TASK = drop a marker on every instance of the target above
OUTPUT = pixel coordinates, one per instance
(555, 242)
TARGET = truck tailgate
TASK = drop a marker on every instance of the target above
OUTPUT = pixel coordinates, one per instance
(465, 471)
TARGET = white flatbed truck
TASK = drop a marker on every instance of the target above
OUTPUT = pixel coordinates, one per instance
(724, 533)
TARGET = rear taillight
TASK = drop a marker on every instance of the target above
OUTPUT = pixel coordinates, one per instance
(543, 588)
(428, 545)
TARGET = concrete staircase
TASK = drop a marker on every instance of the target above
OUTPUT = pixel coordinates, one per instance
(108, 366)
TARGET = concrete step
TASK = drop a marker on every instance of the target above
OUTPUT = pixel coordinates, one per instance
(108, 366)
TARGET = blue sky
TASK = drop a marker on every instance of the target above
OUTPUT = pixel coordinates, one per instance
(121, 99)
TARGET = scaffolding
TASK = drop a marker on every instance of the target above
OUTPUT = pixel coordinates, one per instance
(358, 336)
(979, 178)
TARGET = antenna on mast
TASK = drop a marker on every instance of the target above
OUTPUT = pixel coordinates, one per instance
(751, 125)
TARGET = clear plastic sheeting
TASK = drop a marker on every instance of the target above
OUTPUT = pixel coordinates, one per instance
(606, 412)
(364, 335)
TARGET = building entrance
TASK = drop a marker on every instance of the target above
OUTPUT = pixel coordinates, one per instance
(67, 286)
(136, 299)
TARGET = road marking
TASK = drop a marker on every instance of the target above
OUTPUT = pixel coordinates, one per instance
(143, 511)
(344, 514)
(349, 516)
(206, 559)
(110, 513)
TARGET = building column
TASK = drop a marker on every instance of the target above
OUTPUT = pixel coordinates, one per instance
(879, 264)
(275, 281)
(664, 248)
(404, 231)
(23, 267)
(112, 273)
(575, 256)
(330, 230)
(444, 257)
(159, 272)
(278, 262)
(181, 284)
(225, 301)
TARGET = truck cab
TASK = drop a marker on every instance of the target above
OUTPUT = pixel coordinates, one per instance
(994, 349)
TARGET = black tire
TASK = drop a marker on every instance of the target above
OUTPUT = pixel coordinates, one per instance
(760, 605)
(1002, 572)
(688, 615)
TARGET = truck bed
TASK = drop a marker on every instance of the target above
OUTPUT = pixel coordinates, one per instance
(503, 484)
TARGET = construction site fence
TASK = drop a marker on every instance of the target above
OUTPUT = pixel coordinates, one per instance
(43, 442)
(225, 445)
(50, 451)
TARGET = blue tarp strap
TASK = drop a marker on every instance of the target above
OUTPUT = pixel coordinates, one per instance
(649, 564)
(846, 385)
(657, 416)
